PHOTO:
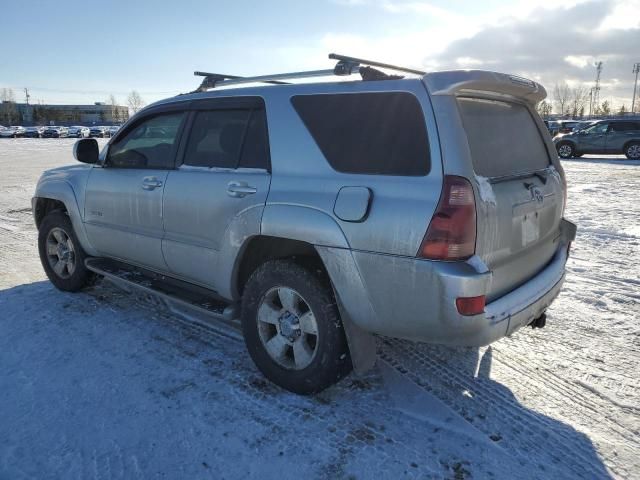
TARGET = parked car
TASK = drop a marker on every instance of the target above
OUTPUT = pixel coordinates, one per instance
(55, 132)
(13, 131)
(603, 137)
(562, 126)
(113, 130)
(78, 131)
(98, 131)
(33, 132)
(397, 207)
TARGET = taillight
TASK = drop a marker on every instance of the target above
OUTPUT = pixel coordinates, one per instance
(452, 232)
(468, 306)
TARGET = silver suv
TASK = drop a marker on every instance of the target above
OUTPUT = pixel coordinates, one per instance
(606, 136)
(426, 208)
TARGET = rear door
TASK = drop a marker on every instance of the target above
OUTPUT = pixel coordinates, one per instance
(520, 193)
(123, 203)
(618, 134)
(219, 188)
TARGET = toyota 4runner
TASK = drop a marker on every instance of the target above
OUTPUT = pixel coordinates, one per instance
(427, 208)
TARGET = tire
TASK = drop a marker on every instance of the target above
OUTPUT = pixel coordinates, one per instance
(632, 151)
(61, 255)
(565, 150)
(297, 360)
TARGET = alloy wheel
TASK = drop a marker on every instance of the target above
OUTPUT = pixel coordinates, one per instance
(287, 328)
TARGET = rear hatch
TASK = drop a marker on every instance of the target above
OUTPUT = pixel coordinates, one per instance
(519, 195)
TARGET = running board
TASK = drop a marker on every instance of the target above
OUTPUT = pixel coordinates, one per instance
(195, 304)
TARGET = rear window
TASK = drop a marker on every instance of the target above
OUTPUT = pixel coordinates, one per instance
(503, 138)
(370, 133)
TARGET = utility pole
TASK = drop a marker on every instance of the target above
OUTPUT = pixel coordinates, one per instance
(636, 69)
(596, 88)
(26, 94)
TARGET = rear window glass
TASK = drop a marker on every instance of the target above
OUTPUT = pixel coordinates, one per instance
(503, 138)
(370, 133)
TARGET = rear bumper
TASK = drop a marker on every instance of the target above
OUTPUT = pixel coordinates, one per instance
(415, 299)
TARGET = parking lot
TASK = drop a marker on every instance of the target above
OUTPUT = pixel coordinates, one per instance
(106, 384)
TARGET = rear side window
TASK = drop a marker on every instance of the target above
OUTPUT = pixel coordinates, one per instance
(503, 138)
(623, 126)
(228, 139)
(370, 133)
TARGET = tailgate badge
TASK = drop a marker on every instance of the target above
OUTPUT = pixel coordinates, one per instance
(536, 194)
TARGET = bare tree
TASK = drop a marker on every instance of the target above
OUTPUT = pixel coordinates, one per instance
(7, 95)
(623, 110)
(544, 108)
(8, 111)
(135, 101)
(605, 108)
(114, 107)
(579, 97)
(561, 95)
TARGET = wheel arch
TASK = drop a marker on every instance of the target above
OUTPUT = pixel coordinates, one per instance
(59, 195)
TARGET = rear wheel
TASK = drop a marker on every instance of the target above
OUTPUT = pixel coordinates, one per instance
(292, 327)
(632, 151)
(61, 255)
(566, 150)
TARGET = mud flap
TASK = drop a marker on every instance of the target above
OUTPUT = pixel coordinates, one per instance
(362, 344)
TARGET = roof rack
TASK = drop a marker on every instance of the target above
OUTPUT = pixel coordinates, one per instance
(345, 66)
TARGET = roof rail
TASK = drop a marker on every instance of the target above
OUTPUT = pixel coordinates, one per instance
(345, 66)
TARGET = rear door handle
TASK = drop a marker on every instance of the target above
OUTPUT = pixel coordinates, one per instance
(240, 189)
(150, 183)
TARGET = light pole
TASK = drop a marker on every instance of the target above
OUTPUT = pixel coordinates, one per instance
(636, 69)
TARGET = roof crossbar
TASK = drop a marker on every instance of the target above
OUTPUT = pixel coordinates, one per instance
(210, 80)
(345, 66)
(372, 63)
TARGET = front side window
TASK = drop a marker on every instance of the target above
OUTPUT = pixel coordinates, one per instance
(598, 128)
(228, 139)
(149, 144)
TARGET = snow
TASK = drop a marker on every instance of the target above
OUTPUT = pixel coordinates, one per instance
(108, 384)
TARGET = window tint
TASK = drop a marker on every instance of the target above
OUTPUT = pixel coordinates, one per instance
(150, 144)
(371, 133)
(216, 138)
(623, 126)
(503, 138)
(255, 152)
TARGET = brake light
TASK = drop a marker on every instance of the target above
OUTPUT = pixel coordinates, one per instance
(470, 305)
(452, 232)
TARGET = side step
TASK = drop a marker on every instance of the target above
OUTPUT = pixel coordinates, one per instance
(192, 302)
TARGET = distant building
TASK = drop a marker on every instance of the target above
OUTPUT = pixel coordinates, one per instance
(97, 114)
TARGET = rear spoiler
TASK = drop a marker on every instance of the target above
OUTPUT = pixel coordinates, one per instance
(465, 82)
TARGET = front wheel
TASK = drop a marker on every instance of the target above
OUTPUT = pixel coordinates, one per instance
(61, 255)
(632, 151)
(292, 327)
(566, 150)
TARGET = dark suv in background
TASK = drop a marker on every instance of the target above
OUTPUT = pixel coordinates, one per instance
(603, 137)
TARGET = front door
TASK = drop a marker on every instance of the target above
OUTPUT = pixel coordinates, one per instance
(593, 139)
(123, 203)
(217, 195)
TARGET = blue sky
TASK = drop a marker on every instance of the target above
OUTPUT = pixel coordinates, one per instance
(84, 51)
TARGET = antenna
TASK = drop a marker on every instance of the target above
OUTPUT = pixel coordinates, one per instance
(26, 94)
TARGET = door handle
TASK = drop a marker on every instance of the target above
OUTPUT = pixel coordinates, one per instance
(240, 189)
(150, 183)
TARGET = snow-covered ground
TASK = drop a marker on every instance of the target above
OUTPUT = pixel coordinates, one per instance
(105, 384)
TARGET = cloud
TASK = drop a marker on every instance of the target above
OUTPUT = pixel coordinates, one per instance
(558, 45)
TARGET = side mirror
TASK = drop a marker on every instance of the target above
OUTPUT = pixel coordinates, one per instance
(85, 150)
